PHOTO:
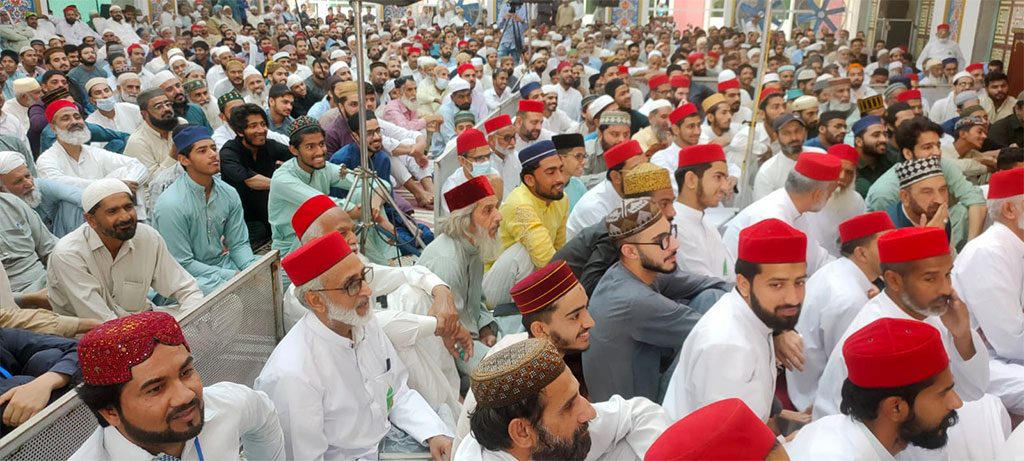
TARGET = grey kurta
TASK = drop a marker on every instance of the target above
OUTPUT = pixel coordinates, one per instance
(457, 262)
(25, 244)
(639, 330)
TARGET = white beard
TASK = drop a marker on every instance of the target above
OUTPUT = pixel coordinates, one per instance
(75, 138)
(488, 248)
(33, 198)
(410, 104)
(347, 316)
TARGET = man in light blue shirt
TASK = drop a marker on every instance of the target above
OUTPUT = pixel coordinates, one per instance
(461, 99)
(199, 215)
(512, 25)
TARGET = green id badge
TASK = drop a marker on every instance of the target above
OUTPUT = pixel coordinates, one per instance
(391, 398)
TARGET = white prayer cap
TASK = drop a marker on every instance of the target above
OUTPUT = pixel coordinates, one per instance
(805, 39)
(458, 84)
(659, 104)
(107, 30)
(93, 82)
(895, 65)
(823, 78)
(25, 85)
(338, 66)
(753, 52)
(115, 7)
(425, 61)
(176, 58)
(487, 51)
(97, 191)
(549, 89)
(162, 77)
(250, 71)
(881, 52)
(817, 46)
(294, 79)
(655, 53)
(374, 37)
(556, 37)
(175, 52)
(337, 54)
(958, 76)
(477, 61)
(932, 62)
(771, 77)
(9, 160)
(843, 48)
(726, 75)
(530, 77)
(599, 104)
(536, 57)
(121, 79)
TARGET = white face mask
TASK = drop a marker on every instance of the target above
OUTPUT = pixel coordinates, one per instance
(441, 84)
(106, 104)
(481, 168)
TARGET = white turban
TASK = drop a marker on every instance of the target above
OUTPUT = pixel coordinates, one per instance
(97, 191)
(338, 66)
(250, 71)
(9, 160)
(162, 77)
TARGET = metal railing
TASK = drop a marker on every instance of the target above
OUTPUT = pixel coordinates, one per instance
(446, 163)
(231, 335)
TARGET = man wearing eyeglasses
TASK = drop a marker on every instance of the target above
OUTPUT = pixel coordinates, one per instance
(474, 157)
(336, 381)
(643, 307)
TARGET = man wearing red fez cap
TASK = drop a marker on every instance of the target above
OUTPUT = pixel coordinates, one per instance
(642, 306)
(680, 92)
(739, 328)
(502, 137)
(808, 187)
(914, 264)
(598, 201)
(141, 383)
(661, 89)
(845, 202)
(724, 430)
(702, 179)
(332, 355)
(73, 29)
(989, 272)
(530, 124)
(899, 394)
(474, 156)
(834, 296)
(940, 47)
(684, 121)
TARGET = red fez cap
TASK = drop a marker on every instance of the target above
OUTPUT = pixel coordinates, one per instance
(730, 84)
(468, 193)
(772, 241)
(108, 352)
(1008, 183)
(908, 95)
(914, 77)
(471, 138)
(844, 152)
(623, 70)
(497, 123)
(465, 67)
(462, 43)
(562, 65)
(413, 49)
(819, 167)
(912, 244)
(657, 81)
(160, 44)
(426, 46)
(942, 27)
(891, 352)
(133, 46)
(196, 27)
(769, 91)
(975, 66)
(903, 48)
(314, 258)
(59, 104)
(543, 287)
(69, 7)
(311, 209)
(418, 38)
(724, 430)
(700, 153)
(621, 152)
(682, 112)
(864, 225)
(531, 105)
(680, 81)
(712, 54)
(694, 56)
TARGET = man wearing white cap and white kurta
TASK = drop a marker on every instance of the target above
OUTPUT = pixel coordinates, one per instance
(26, 93)
(105, 268)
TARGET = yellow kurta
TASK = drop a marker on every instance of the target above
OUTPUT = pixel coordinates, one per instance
(646, 138)
(539, 226)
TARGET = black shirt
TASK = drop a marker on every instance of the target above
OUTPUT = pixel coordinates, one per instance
(238, 164)
(1006, 131)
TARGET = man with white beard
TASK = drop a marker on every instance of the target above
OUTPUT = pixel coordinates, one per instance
(941, 47)
(59, 205)
(844, 204)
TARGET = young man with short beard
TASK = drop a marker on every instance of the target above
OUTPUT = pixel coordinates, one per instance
(870, 140)
(643, 307)
(772, 175)
(151, 143)
(171, 87)
(86, 69)
(703, 182)
(128, 366)
(605, 196)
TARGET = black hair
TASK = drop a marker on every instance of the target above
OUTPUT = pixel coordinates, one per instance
(882, 72)
(608, 65)
(847, 249)
(611, 85)
(321, 60)
(10, 54)
(69, 48)
(295, 139)
(861, 403)
(593, 80)
(490, 425)
(528, 170)
(278, 90)
(994, 76)
(996, 63)
(908, 132)
(830, 115)
(698, 169)
(353, 120)
(542, 315)
(500, 70)
(673, 67)
(376, 64)
(890, 113)
(1008, 157)
(240, 116)
(747, 269)
(174, 132)
(764, 101)
(101, 397)
(84, 46)
(903, 268)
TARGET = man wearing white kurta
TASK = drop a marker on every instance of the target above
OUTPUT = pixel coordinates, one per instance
(335, 379)
(595, 205)
(772, 175)
(807, 189)
(941, 47)
(738, 329)
(845, 202)
(834, 296)
(907, 255)
(106, 267)
(989, 273)
(618, 429)
(702, 250)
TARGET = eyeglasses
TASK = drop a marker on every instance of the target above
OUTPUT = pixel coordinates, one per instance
(508, 138)
(376, 132)
(663, 240)
(478, 158)
(160, 105)
(353, 287)
(579, 157)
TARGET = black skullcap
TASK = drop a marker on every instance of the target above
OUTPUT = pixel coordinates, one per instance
(567, 141)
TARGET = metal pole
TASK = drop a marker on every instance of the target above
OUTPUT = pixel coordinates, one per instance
(745, 189)
(364, 156)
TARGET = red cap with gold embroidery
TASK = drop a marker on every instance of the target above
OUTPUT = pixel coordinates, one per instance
(543, 287)
(108, 352)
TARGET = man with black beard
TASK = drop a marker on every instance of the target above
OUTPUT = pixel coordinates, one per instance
(831, 130)
(871, 139)
(569, 96)
(72, 28)
(915, 264)
(899, 392)
(643, 307)
(105, 268)
(151, 142)
(86, 69)
(134, 362)
(547, 418)
(171, 86)
(738, 330)
(772, 174)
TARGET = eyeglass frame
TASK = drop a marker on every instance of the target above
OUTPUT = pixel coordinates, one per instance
(665, 241)
(353, 286)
